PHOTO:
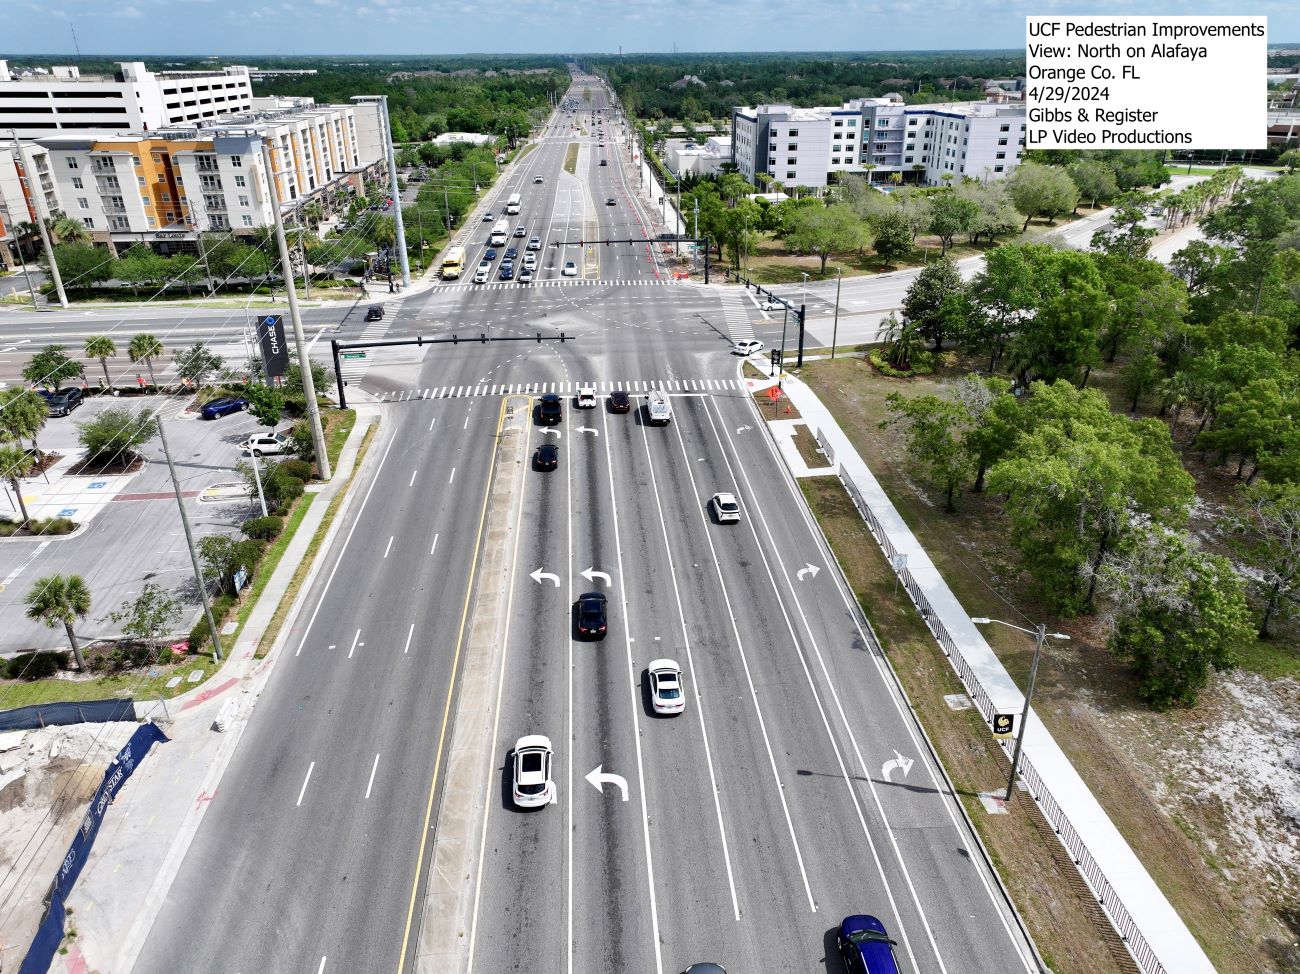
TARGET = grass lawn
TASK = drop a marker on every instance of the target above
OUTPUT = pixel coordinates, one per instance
(571, 158)
(806, 444)
(1083, 694)
(142, 685)
(339, 425)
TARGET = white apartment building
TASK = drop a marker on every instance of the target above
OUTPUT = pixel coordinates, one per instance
(167, 187)
(16, 205)
(62, 99)
(928, 144)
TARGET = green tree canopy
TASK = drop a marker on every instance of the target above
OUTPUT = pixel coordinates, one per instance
(1041, 191)
(52, 367)
(60, 600)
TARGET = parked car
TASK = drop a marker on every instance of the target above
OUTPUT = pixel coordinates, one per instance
(546, 457)
(64, 401)
(532, 786)
(725, 507)
(263, 444)
(666, 696)
(570, 269)
(375, 312)
(223, 407)
(865, 946)
(619, 401)
(747, 348)
(592, 620)
(549, 410)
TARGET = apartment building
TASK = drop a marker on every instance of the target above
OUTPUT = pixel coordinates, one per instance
(61, 99)
(17, 207)
(927, 144)
(683, 157)
(165, 187)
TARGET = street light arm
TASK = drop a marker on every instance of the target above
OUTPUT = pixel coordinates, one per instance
(985, 620)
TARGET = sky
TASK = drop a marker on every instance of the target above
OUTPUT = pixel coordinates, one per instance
(368, 27)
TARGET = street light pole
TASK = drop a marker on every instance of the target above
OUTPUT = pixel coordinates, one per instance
(835, 329)
(1040, 634)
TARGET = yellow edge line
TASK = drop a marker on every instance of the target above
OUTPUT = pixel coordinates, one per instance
(446, 710)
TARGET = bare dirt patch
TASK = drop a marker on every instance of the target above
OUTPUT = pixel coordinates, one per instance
(1207, 797)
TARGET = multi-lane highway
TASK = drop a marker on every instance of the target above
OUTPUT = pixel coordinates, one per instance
(794, 789)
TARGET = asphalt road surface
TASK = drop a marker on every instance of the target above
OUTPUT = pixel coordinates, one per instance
(794, 789)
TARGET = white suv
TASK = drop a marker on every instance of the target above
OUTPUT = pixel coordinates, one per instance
(586, 396)
(530, 262)
(484, 272)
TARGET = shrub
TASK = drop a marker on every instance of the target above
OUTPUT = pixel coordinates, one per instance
(296, 468)
(281, 489)
(922, 364)
(295, 404)
(201, 635)
(53, 525)
(303, 447)
(263, 528)
(35, 666)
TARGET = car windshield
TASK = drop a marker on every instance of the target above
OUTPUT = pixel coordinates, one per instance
(868, 936)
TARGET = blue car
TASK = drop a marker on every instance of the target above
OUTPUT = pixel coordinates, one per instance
(490, 255)
(512, 253)
(865, 946)
(507, 271)
(223, 407)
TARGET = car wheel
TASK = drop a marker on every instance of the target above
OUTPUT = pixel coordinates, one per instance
(257, 453)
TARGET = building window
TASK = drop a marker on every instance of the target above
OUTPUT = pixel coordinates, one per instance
(83, 202)
(171, 217)
(793, 133)
(883, 123)
(908, 159)
(76, 182)
(237, 162)
(1002, 141)
(166, 197)
(239, 180)
(911, 121)
(853, 122)
(140, 180)
(839, 135)
(137, 160)
(152, 222)
(89, 222)
(1001, 155)
(792, 162)
(997, 168)
(72, 162)
(248, 220)
(243, 201)
(839, 123)
(789, 175)
(835, 161)
(1005, 128)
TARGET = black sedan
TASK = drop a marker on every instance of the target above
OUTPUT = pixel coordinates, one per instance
(546, 457)
(549, 410)
(592, 623)
(64, 401)
(223, 407)
(620, 401)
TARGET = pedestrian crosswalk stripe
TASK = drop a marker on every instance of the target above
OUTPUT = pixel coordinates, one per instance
(564, 282)
(676, 386)
(737, 316)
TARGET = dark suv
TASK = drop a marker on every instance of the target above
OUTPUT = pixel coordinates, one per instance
(549, 410)
(375, 312)
(64, 401)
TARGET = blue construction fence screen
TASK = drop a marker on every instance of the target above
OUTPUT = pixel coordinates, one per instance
(50, 933)
(75, 712)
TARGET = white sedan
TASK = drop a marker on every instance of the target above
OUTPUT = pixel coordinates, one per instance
(725, 507)
(570, 269)
(533, 787)
(750, 347)
(260, 444)
(666, 694)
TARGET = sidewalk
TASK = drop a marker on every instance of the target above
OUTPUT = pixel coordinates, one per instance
(148, 829)
(1153, 931)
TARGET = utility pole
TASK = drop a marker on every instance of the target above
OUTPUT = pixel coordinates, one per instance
(304, 363)
(189, 541)
(36, 194)
(835, 329)
(1040, 634)
(446, 209)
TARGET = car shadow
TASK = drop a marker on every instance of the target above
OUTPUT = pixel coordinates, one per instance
(831, 950)
(507, 789)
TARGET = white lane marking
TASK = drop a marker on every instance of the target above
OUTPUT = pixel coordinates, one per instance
(749, 677)
(321, 969)
(311, 767)
(388, 546)
(453, 475)
(634, 688)
(491, 775)
(435, 545)
(431, 422)
(466, 426)
(353, 649)
(568, 738)
(888, 680)
(412, 483)
(19, 570)
(695, 682)
(411, 632)
(373, 768)
(357, 520)
(821, 710)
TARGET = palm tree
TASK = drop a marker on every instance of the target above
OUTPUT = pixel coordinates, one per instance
(60, 599)
(64, 229)
(145, 348)
(22, 414)
(16, 463)
(895, 178)
(25, 232)
(103, 348)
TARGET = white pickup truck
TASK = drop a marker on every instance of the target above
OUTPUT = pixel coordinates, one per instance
(586, 397)
(659, 408)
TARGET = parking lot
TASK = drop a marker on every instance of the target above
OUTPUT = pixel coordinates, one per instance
(131, 529)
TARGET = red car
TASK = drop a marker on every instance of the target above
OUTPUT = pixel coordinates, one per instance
(620, 401)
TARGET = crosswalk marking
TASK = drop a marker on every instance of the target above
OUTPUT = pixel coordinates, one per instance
(563, 282)
(680, 386)
(354, 370)
(737, 316)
